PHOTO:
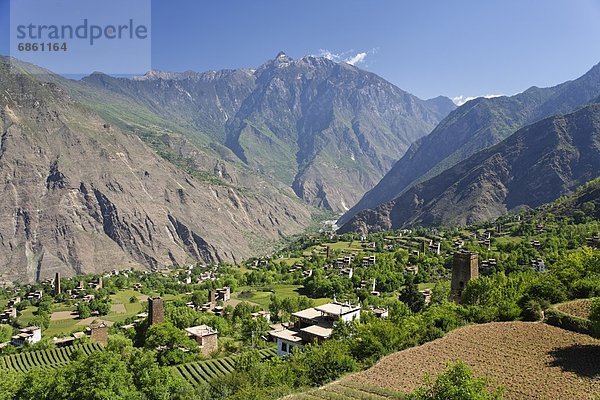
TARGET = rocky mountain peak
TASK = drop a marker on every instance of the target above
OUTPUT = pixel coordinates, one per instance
(281, 56)
(327, 130)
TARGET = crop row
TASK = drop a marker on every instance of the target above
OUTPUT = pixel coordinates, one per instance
(51, 358)
(349, 390)
(200, 372)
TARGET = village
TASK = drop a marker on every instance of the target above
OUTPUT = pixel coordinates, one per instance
(346, 294)
(83, 309)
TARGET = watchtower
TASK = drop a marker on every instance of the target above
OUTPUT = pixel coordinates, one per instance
(99, 332)
(212, 297)
(156, 311)
(464, 268)
(57, 283)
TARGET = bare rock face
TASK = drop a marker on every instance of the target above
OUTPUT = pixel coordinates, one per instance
(78, 195)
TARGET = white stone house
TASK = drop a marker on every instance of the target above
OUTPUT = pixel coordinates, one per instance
(29, 335)
(313, 324)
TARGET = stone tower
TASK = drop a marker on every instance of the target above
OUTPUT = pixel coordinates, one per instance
(156, 311)
(464, 268)
(212, 297)
(99, 332)
(57, 284)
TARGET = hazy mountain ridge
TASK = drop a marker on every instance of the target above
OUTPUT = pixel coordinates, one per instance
(534, 166)
(476, 125)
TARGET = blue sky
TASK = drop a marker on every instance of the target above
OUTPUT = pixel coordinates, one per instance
(453, 48)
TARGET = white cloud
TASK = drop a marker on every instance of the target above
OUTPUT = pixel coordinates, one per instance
(460, 100)
(330, 55)
(346, 56)
(357, 59)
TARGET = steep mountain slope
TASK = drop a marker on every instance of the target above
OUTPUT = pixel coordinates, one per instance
(474, 126)
(328, 130)
(534, 166)
(79, 195)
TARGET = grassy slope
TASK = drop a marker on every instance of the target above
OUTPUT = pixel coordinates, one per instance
(261, 295)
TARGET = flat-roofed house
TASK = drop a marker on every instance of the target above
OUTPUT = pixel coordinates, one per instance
(315, 333)
(29, 335)
(7, 315)
(380, 312)
(313, 324)
(307, 317)
(287, 340)
(335, 311)
(206, 337)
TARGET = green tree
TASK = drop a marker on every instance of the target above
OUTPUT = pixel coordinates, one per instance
(101, 375)
(42, 384)
(155, 382)
(456, 383)
(322, 363)
(411, 296)
(83, 310)
(120, 344)
(6, 332)
(199, 297)
(595, 317)
(172, 343)
(10, 382)
(183, 317)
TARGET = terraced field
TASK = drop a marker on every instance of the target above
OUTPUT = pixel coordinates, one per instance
(349, 390)
(53, 358)
(201, 372)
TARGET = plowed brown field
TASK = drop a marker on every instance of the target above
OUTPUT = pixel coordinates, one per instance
(531, 360)
(578, 308)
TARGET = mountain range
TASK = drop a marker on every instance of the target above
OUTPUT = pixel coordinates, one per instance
(534, 166)
(171, 168)
(477, 125)
(328, 130)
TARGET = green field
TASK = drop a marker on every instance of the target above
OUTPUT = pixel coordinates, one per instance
(201, 372)
(132, 309)
(27, 315)
(508, 239)
(51, 358)
(261, 295)
(339, 246)
(290, 261)
(63, 307)
(344, 246)
(62, 328)
(59, 328)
